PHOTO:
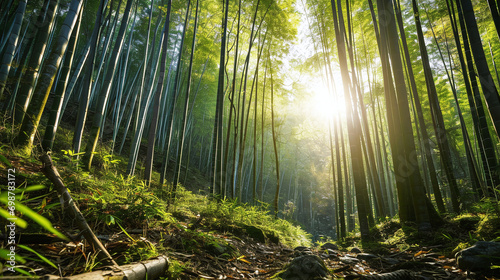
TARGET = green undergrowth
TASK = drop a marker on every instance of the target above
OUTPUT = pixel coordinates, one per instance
(456, 233)
(113, 202)
(129, 200)
(229, 215)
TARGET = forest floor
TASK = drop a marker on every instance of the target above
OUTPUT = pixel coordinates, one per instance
(197, 250)
(206, 240)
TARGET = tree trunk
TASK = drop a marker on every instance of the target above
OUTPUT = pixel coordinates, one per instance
(216, 157)
(12, 42)
(29, 78)
(495, 14)
(473, 168)
(483, 135)
(273, 129)
(437, 116)
(55, 111)
(42, 90)
(186, 103)
(104, 92)
(353, 125)
(140, 118)
(412, 200)
(420, 116)
(231, 110)
(489, 89)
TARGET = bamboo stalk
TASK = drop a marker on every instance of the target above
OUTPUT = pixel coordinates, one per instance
(50, 171)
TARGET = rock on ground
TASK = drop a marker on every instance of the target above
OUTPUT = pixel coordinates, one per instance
(479, 257)
(306, 267)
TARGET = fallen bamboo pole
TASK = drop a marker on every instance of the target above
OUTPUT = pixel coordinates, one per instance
(145, 270)
(52, 174)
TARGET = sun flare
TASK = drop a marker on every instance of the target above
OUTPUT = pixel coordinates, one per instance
(326, 104)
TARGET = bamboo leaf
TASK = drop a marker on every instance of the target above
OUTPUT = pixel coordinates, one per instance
(38, 254)
(30, 189)
(39, 219)
(4, 255)
(5, 161)
(126, 233)
(19, 222)
(22, 271)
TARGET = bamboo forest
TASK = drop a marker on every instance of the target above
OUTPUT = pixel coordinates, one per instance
(249, 139)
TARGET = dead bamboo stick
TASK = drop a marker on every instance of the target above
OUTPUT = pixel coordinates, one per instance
(50, 171)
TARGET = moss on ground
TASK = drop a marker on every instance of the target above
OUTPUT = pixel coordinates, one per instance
(457, 233)
(489, 228)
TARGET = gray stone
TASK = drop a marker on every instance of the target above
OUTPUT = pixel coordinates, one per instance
(330, 246)
(306, 267)
(332, 252)
(355, 250)
(301, 250)
(366, 256)
(255, 233)
(479, 257)
(349, 260)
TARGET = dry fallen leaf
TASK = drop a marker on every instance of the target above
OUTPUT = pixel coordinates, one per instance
(420, 253)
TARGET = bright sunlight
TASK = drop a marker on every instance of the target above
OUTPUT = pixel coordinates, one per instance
(327, 104)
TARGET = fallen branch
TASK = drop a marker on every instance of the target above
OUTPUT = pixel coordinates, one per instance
(52, 174)
(150, 269)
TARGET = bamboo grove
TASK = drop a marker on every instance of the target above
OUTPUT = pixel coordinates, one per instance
(334, 113)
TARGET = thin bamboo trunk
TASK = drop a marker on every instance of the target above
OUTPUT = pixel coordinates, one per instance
(43, 88)
(490, 92)
(216, 157)
(412, 200)
(46, 21)
(104, 92)
(422, 124)
(12, 42)
(483, 135)
(186, 104)
(231, 110)
(273, 130)
(157, 97)
(53, 122)
(353, 122)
